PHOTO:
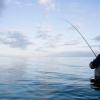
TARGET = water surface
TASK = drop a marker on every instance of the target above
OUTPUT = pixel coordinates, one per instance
(46, 79)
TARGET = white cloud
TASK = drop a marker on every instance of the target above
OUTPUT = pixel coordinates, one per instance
(20, 3)
(15, 43)
(14, 40)
(47, 39)
(47, 4)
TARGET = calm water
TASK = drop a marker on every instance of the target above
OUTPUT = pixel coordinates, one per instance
(46, 79)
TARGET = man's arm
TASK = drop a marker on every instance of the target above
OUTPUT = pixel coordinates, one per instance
(95, 63)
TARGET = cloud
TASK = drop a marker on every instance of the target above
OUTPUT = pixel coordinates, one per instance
(44, 32)
(72, 43)
(14, 40)
(20, 3)
(2, 4)
(74, 54)
(97, 38)
(48, 39)
(47, 4)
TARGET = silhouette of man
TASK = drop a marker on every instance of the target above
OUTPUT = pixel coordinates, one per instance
(95, 64)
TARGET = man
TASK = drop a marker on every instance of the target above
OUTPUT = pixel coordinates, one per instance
(95, 64)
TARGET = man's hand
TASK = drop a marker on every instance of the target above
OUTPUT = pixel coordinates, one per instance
(91, 65)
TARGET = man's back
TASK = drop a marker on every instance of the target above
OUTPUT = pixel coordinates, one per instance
(97, 73)
(95, 64)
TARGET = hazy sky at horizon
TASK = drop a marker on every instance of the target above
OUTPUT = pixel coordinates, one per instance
(39, 27)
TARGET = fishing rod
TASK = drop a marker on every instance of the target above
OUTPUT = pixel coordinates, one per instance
(85, 40)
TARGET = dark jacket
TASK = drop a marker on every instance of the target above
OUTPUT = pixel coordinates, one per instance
(95, 63)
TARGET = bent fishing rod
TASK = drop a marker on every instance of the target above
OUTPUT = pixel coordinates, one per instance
(85, 40)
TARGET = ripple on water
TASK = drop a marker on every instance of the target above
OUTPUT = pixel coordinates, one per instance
(40, 81)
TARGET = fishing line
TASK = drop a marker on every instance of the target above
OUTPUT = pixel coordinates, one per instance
(85, 40)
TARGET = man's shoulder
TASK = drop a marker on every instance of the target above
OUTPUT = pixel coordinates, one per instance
(98, 57)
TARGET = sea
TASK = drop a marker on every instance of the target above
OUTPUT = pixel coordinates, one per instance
(47, 78)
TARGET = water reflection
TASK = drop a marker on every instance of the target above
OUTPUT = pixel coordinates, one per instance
(46, 78)
(13, 70)
(95, 84)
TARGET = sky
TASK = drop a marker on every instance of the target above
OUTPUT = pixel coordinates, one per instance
(40, 27)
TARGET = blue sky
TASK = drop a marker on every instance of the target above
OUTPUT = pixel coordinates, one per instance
(39, 27)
